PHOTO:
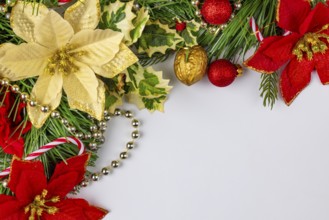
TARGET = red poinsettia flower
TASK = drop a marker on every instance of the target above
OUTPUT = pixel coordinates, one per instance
(35, 198)
(12, 124)
(305, 49)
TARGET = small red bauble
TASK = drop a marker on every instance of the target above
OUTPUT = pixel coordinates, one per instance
(64, 1)
(180, 26)
(216, 12)
(222, 72)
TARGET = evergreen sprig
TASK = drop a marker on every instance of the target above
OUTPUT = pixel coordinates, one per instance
(269, 89)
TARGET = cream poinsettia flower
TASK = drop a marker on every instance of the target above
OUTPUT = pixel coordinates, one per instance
(65, 53)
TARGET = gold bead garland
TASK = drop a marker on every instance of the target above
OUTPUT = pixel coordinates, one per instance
(95, 137)
(93, 177)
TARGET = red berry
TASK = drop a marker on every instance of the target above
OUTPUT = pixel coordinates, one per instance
(180, 26)
(64, 1)
(216, 11)
(222, 73)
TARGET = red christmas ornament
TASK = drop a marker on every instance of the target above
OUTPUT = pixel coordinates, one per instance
(180, 26)
(216, 11)
(222, 72)
(62, 2)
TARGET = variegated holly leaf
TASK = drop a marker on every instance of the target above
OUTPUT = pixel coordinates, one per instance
(158, 37)
(118, 16)
(139, 23)
(190, 33)
(147, 88)
(114, 92)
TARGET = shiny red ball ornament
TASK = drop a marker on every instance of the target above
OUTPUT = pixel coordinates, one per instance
(180, 26)
(216, 12)
(222, 72)
(62, 2)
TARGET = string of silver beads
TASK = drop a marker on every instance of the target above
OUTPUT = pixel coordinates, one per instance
(135, 134)
(214, 28)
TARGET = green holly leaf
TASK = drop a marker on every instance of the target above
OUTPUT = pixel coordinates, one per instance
(118, 16)
(114, 92)
(157, 37)
(190, 34)
(147, 88)
(139, 23)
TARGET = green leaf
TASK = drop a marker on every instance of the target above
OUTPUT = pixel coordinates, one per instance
(139, 23)
(147, 89)
(114, 92)
(158, 37)
(190, 34)
(118, 16)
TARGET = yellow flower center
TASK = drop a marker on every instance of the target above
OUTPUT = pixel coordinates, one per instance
(311, 44)
(63, 60)
(38, 206)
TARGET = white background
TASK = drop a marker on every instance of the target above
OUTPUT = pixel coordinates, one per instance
(218, 154)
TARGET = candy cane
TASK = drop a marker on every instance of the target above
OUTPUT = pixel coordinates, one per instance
(255, 29)
(48, 147)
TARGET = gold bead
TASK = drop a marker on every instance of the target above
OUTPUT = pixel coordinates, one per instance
(128, 114)
(105, 171)
(135, 134)
(124, 155)
(44, 109)
(130, 145)
(24, 96)
(117, 112)
(55, 114)
(115, 163)
(33, 103)
(4, 82)
(135, 123)
(14, 88)
(95, 177)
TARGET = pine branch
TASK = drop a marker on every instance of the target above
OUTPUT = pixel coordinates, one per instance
(145, 60)
(269, 89)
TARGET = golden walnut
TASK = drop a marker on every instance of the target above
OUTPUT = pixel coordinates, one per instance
(190, 64)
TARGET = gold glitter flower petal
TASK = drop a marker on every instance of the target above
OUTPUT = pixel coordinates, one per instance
(122, 60)
(99, 46)
(85, 92)
(25, 61)
(84, 14)
(53, 31)
(25, 17)
(81, 85)
(47, 92)
(37, 117)
(47, 88)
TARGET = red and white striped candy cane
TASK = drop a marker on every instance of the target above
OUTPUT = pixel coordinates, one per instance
(48, 147)
(255, 29)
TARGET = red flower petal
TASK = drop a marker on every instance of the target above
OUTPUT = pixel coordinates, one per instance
(295, 77)
(291, 14)
(68, 174)
(27, 179)
(322, 66)
(280, 51)
(11, 209)
(76, 209)
(14, 146)
(316, 19)
(260, 62)
(63, 184)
